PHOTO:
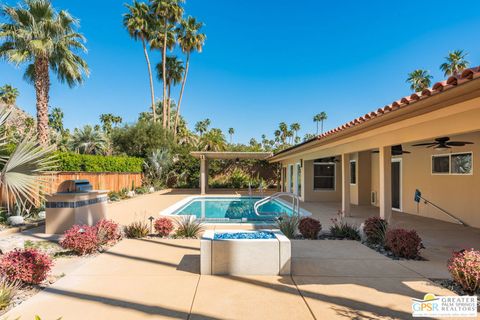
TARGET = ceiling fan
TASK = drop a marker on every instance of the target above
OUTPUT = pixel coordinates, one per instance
(396, 150)
(443, 143)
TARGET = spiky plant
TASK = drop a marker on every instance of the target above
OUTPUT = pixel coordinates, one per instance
(188, 227)
(21, 181)
(8, 289)
(288, 225)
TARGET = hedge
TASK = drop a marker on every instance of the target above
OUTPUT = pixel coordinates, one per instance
(67, 161)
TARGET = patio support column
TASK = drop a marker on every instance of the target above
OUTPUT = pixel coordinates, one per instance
(346, 184)
(385, 192)
(203, 174)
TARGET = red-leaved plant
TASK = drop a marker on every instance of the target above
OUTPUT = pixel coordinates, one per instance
(108, 232)
(163, 226)
(309, 227)
(26, 265)
(464, 266)
(80, 239)
(403, 243)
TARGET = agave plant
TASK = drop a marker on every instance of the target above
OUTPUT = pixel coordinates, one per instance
(157, 165)
(21, 181)
(8, 289)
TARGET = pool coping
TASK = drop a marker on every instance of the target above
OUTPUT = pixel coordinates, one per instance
(179, 204)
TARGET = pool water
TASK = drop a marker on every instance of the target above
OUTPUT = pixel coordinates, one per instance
(234, 209)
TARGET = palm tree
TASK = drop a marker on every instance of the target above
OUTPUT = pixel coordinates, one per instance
(190, 40)
(47, 40)
(202, 126)
(109, 120)
(308, 136)
(295, 127)
(20, 179)
(231, 132)
(167, 12)
(282, 126)
(174, 68)
(419, 80)
(322, 116)
(89, 140)
(138, 23)
(213, 140)
(455, 63)
(55, 120)
(9, 95)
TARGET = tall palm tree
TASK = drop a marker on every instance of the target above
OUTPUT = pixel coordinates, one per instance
(9, 95)
(282, 126)
(455, 63)
(89, 140)
(174, 69)
(109, 120)
(231, 132)
(35, 33)
(213, 140)
(419, 80)
(138, 23)
(322, 116)
(295, 127)
(167, 12)
(190, 39)
(202, 126)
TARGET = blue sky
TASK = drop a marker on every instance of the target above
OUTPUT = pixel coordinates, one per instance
(267, 61)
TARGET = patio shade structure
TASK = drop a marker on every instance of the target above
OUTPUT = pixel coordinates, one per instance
(205, 156)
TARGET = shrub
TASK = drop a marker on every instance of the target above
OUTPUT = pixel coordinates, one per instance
(8, 289)
(342, 229)
(67, 161)
(26, 265)
(375, 229)
(403, 243)
(80, 239)
(288, 225)
(163, 226)
(136, 230)
(464, 266)
(309, 227)
(188, 227)
(108, 232)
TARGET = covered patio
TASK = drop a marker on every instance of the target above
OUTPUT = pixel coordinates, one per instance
(206, 156)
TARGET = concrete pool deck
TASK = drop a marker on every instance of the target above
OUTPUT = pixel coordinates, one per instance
(332, 279)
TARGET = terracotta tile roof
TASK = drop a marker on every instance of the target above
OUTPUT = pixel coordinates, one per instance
(451, 82)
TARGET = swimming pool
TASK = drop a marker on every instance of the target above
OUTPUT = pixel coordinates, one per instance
(233, 209)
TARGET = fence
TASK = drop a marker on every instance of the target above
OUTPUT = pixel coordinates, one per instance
(113, 181)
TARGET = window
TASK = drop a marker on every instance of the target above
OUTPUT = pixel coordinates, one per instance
(299, 179)
(324, 176)
(290, 169)
(456, 163)
(353, 172)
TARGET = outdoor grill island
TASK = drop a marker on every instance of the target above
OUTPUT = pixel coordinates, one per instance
(74, 203)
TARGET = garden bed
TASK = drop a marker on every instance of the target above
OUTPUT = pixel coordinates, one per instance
(455, 287)
(389, 254)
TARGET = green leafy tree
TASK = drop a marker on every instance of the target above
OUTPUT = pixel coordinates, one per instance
(166, 14)
(320, 118)
(138, 21)
(47, 40)
(9, 95)
(419, 80)
(455, 63)
(202, 126)
(88, 140)
(174, 68)
(190, 40)
(308, 136)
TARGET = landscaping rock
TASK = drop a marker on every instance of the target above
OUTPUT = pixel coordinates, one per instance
(15, 220)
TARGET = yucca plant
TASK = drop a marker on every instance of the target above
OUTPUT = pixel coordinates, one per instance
(288, 225)
(8, 289)
(136, 230)
(188, 227)
(21, 181)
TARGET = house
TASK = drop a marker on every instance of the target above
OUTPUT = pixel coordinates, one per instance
(427, 141)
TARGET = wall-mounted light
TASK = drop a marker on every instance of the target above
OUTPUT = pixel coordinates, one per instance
(301, 163)
(237, 160)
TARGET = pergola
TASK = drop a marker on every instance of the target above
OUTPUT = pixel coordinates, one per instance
(204, 156)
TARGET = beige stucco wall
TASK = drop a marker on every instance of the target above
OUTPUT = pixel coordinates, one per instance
(320, 195)
(457, 194)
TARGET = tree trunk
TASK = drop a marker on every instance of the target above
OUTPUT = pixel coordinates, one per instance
(169, 108)
(164, 69)
(322, 126)
(184, 80)
(152, 93)
(317, 127)
(42, 87)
